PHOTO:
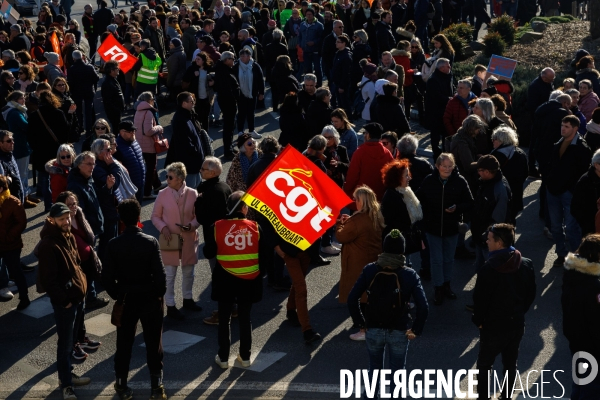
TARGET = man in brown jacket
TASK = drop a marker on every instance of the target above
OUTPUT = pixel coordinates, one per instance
(66, 285)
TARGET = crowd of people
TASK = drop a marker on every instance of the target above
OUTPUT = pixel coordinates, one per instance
(221, 58)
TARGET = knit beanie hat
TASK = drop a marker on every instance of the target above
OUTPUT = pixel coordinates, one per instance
(176, 42)
(51, 57)
(394, 242)
(112, 28)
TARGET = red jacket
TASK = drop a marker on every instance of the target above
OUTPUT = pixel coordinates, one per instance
(403, 58)
(365, 168)
(454, 115)
(58, 182)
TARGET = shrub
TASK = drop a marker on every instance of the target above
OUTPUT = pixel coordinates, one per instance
(463, 30)
(494, 44)
(521, 30)
(505, 26)
(555, 20)
(457, 43)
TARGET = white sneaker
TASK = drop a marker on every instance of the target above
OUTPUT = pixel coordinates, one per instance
(6, 294)
(256, 135)
(358, 336)
(222, 364)
(330, 250)
(245, 363)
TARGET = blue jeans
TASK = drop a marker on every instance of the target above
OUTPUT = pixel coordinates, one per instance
(193, 180)
(397, 346)
(559, 207)
(441, 252)
(66, 329)
(312, 62)
(44, 184)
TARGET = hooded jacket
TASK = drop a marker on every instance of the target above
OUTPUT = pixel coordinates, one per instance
(402, 58)
(176, 66)
(581, 313)
(504, 291)
(365, 168)
(59, 266)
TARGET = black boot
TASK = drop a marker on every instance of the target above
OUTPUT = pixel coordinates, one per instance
(292, 317)
(190, 304)
(123, 391)
(448, 291)
(173, 312)
(438, 297)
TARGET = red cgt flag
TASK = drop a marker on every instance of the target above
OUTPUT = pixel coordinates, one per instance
(111, 49)
(299, 199)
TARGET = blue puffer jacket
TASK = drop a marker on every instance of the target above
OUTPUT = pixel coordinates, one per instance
(130, 155)
(410, 286)
(311, 33)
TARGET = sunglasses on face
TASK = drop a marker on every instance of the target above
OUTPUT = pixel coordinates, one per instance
(414, 47)
(250, 143)
(328, 137)
(100, 128)
(67, 157)
(9, 141)
(60, 85)
(170, 177)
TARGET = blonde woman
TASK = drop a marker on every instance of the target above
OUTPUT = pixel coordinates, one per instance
(360, 236)
(101, 127)
(173, 213)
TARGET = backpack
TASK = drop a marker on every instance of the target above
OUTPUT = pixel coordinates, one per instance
(359, 103)
(384, 300)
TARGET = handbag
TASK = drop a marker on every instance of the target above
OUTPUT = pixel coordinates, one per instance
(160, 145)
(176, 242)
(117, 312)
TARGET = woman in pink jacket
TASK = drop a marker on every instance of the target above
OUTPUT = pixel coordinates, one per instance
(147, 129)
(173, 213)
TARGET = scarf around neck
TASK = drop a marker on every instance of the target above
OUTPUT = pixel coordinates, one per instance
(391, 261)
(14, 104)
(413, 205)
(246, 78)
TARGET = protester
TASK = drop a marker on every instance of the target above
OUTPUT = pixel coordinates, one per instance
(59, 168)
(504, 291)
(228, 93)
(129, 154)
(173, 216)
(236, 277)
(238, 171)
(439, 91)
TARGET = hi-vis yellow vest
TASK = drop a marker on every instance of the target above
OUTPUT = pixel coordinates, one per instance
(237, 247)
(149, 71)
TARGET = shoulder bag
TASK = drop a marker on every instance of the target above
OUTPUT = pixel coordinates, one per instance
(176, 242)
(47, 127)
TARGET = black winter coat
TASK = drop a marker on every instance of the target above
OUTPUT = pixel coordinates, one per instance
(492, 206)
(385, 38)
(258, 167)
(226, 83)
(514, 167)
(66, 103)
(102, 18)
(340, 70)
(394, 211)
(318, 116)
(580, 310)
(583, 205)
(435, 197)
(328, 51)
(211, 203)
(293, 127)
(439, 91)
(546, 131)
(538, 93)
(565, 171)
(273, 50)
(359, 51)
(283, 81)
(112, 95)
(258, 80)
(20, 42)
(107, 197)
(88, 200)
(226, 287)
(190, 144)
(132, 265)
(43, 146)
(504, 291)
(390, 115)
(419, 169)
(157, 41)
(82, 79)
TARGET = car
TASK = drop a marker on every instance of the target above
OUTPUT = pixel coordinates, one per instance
(26, 7)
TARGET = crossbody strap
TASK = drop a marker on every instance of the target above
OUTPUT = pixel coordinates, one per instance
(47, 127)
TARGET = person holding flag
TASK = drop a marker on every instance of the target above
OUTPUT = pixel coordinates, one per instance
(237, 277)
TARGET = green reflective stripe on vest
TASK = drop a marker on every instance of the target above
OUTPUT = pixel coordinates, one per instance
(149, 72)
(243, 271)
(238, 258)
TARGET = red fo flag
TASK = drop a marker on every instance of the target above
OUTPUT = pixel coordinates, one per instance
(299, 199)
(56, 47)
(111, 49)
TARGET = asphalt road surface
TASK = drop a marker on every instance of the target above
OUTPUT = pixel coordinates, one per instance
(284, 367)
